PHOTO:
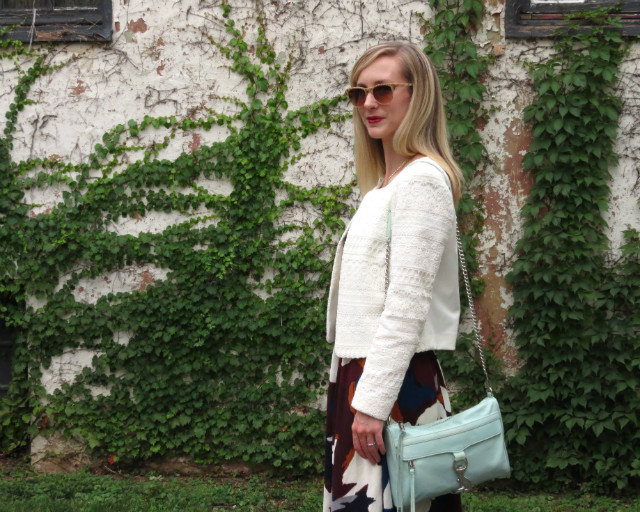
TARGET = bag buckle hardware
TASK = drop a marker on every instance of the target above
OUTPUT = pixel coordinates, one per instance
(460, 464)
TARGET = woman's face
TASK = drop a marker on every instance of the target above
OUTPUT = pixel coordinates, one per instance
(382, 121)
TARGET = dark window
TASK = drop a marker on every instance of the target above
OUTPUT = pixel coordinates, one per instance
(543, 18)
(6, 351)
(57, 20)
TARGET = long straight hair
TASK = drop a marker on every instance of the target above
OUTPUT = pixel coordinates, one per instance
(423, 129)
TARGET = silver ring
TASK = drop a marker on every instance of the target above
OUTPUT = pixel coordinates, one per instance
(371, 444)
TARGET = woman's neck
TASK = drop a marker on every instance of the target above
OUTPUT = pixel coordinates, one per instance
(394, 163)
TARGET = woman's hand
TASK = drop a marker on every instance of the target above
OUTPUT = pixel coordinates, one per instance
(367, 437)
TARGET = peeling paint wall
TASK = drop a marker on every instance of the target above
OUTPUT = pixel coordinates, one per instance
(504, 187)
(161, 64)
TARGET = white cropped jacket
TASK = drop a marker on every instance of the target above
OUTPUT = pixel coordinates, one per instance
(420, 309)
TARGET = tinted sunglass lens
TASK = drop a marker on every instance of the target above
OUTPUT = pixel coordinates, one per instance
(383, 93)
(356, 96)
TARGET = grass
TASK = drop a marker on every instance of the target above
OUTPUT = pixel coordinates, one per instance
(87, 492)
(504, 502)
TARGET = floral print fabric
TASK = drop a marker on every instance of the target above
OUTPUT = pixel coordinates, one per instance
(352, 484)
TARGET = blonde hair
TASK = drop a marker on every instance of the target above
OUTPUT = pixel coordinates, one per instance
(423, 129)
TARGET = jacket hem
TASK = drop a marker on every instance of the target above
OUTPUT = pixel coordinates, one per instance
(357, 353)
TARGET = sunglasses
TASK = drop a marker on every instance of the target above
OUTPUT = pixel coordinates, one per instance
(382, 93)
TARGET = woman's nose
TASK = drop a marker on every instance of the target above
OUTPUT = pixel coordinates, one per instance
(370, 101)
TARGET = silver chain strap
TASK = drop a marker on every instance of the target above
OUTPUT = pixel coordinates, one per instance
(467, 286)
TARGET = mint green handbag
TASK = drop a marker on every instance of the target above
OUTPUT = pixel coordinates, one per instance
(451, 455)
(448, 456)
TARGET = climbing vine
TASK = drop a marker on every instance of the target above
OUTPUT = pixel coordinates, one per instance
(450, 46)
(223, 358)
(572, 411)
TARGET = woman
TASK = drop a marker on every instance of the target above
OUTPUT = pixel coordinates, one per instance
(394, 288)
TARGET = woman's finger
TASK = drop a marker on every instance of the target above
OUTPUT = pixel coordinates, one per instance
(380, 443)
(373, 455)
(360, 447)
(367, 450)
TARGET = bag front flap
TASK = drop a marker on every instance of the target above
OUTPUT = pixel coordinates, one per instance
(454, 434)
(455, 441)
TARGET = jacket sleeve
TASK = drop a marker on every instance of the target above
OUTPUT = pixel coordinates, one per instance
(422, 219)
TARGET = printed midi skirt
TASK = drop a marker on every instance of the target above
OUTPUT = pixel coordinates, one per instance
(352, 484)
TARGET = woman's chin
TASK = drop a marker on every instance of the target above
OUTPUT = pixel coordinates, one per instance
(375, 132)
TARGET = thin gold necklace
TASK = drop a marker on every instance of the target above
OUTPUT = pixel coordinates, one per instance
(394, 172)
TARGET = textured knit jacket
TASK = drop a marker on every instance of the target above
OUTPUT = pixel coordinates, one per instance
(421, 307)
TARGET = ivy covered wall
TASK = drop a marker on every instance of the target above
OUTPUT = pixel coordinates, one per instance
(172, 199)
